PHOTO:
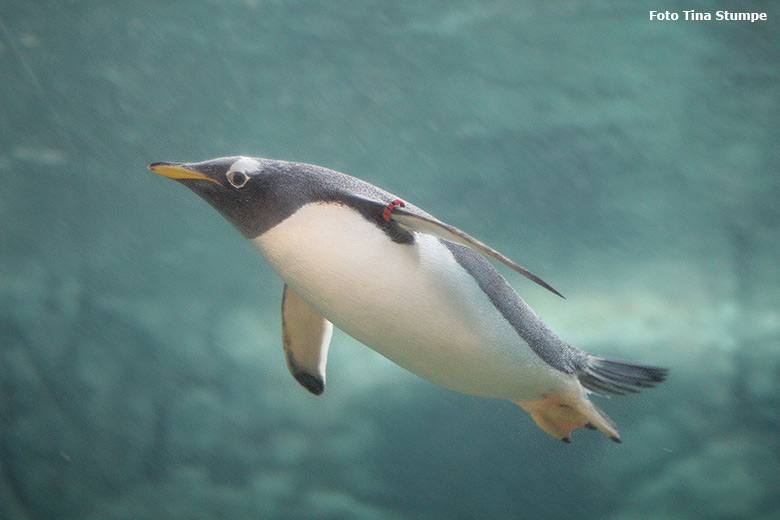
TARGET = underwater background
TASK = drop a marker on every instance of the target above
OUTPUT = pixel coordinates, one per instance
(633, 164)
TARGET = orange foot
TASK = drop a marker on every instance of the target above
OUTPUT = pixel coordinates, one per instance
(561, 412)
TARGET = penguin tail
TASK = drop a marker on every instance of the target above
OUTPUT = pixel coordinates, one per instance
(605, 376)
(559, 413)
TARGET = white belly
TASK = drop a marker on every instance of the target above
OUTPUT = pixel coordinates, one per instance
(411, 303)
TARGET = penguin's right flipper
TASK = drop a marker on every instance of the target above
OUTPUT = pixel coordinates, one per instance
(306, 337)
(435, 227)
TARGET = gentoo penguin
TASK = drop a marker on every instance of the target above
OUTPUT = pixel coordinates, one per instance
(418, 291)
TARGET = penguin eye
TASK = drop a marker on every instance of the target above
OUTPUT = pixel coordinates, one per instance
(237, 179)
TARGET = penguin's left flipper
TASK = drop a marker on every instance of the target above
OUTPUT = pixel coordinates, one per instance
(426, 224)
(306, 337)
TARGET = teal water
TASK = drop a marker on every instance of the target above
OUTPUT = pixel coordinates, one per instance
(634, 165)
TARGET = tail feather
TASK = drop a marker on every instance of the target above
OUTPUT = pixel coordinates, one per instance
(558, 413)
(614, 376)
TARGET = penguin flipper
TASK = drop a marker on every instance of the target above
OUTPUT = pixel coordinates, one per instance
(306, 337)
(427, 224)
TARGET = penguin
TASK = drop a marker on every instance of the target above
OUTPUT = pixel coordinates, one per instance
(416, 290)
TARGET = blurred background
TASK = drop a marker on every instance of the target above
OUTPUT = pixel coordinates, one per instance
(634, 165)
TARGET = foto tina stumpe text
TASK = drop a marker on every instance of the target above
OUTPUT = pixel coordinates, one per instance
(707, 16)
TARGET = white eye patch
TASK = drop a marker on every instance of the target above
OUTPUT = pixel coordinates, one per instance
(241, 170)
(247, 165)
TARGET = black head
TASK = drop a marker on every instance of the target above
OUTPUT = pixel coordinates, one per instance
(242, 189)
(256, 194)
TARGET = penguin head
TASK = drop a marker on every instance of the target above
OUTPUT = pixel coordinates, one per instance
(240, 188)
(225, 172)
